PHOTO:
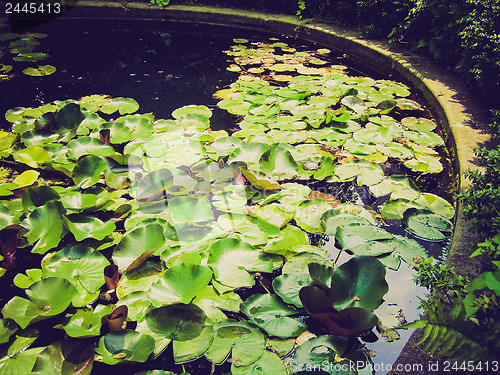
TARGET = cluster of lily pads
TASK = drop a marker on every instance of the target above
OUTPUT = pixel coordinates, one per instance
(151, 229)
(17, 49)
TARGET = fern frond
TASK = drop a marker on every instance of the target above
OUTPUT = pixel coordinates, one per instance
(448, 334)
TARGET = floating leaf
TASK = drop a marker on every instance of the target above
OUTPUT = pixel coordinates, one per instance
(427, 225)
(232, 259)
(27, 178)
(31, 57)
(125, 346)
(46, 226)
(359, 283)
(269, 363)
(180, 283)
(436, 204)
(39, 71)
(88, 170)
(334, 219)
(192, 209)
(324, 349)
(272, 315)
(309, 213)
(89, 226)
(88, 146)
(78, 264)
(47, 297)
(244, 342)
(179, 321)
(136, 246)
(122, 105)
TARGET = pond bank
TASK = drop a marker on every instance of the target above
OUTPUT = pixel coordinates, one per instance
(463, 120)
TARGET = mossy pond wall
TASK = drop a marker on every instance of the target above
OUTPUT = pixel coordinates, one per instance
(198, 201)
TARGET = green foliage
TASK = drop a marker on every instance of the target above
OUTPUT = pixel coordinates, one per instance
(160, 3)
(482, 199)
(460, 316)
(171, 241)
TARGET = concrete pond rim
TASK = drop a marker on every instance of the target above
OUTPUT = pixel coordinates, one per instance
(462, 118)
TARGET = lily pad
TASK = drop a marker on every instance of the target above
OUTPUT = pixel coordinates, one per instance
(181, 283)
(269, 363)
(46, 226)
(88, 171)
(243, 341)
(39, 71)
(272, 315)
(427, 225)
(47, 298)
(232, 260)
(179, 321)
(189, 350)
(88, 226)
(136, 246)
(124, 347)
(122, 105)
(88, 146)
(359, 283)
(321, 350)
(78, 264)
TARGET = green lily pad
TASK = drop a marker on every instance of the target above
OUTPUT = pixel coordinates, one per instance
(321, 350)
(136, 246)
(350, 236)
(181, 283)
(436, 204)
(46, 226)
(152, 184)
(189, 350)
(334, 219)
(47, 298)
(78, 264)
(88, 226)
(88, 146)
(289, 237)
(359, 283)
(7, 329)
(212, 302)
(179, 321)
(192, 209)
(394, 209)
(122, 105)
(31, 57)
(19, 358)
(39, 71)
(27, 178)
(33, 156)
(309, 214)
(190, 110)
(427, 225)
(61, 355)
(88, 170)
(232, 260)
(84, 323)
(269, 363)
(124, 347)
(269, 313)
(243, 341)
(424, 163)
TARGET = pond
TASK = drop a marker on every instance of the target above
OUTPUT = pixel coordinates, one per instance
(227, 201)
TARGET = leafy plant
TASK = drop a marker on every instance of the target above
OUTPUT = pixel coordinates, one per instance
(162, 250)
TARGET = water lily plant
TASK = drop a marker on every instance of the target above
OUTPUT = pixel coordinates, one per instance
(149, 233)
